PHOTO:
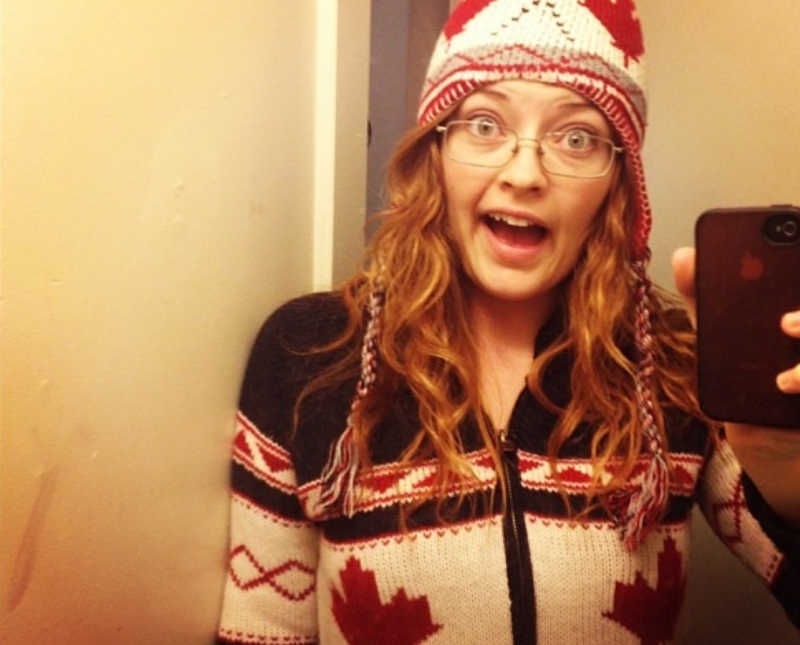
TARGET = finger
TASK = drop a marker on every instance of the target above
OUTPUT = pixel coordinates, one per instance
(683, 272)
(790, 323)
(789, 381)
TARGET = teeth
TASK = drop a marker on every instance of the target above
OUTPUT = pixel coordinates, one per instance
(511, 221)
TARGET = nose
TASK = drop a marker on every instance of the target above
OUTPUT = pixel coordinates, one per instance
(524, 169)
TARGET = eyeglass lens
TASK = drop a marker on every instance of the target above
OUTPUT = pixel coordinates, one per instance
(573, 152)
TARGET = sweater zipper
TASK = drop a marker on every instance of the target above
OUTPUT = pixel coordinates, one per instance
(518, 560)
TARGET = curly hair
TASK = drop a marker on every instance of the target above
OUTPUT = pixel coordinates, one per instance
(425, 342)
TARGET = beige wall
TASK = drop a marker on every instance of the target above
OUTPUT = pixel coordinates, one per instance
(350, 121)
(725, 119)
(157, 187)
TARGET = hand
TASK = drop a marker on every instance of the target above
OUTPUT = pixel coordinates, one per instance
(683, 269)
(770, 456)
(789, 381)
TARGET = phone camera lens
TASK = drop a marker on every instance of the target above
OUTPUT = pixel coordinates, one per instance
(782, 228)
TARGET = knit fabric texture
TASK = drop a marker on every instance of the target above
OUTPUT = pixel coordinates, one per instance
(300, 572)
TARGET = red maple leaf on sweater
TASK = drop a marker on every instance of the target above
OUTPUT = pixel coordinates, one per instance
(364, 620)
(620, 19)
(651, 613)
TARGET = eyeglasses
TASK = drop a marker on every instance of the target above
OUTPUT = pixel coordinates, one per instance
(572, 152)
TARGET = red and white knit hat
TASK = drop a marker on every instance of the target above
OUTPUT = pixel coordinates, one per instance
(595, 48)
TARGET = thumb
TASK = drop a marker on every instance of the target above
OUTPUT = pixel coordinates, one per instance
(683, 271)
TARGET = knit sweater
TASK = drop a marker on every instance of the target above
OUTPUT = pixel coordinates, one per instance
(299, 573)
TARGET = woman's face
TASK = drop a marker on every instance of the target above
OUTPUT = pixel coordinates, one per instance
(518, 230)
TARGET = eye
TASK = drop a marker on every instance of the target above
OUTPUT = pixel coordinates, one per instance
(577, 139)
(484, 127)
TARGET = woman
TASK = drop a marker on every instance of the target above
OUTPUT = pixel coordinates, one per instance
(490, 434)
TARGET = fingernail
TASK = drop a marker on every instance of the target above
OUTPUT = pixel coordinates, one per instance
(783, 380)
(792, 321)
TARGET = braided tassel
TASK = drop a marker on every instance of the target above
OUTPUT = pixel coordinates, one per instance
(646, 504)
(339, 474)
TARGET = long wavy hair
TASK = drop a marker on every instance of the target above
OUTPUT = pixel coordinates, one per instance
(426, 345)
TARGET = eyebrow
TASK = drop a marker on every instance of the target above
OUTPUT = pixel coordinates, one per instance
(495, 93)
(576, 103)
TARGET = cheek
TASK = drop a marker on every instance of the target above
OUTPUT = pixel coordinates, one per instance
(592, 204)
(586, 212)
(463, 186)
(574, 242)
(459, 225)
(457, 230)
(585, 225)
(460, 201)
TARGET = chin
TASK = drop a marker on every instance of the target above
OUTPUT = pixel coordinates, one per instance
(514, 293)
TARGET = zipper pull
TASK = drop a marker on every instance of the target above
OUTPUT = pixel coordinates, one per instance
(506, 444)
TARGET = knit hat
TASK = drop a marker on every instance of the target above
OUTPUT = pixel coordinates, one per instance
(595, 48)
(592, 47)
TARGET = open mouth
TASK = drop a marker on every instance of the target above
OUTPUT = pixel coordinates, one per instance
(515, 231)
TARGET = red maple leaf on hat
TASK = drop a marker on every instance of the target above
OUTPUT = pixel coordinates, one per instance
(620, 19)
(651, 613)
(462, 14)
(364, 620)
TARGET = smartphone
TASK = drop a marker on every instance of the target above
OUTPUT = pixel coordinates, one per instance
(747, 276)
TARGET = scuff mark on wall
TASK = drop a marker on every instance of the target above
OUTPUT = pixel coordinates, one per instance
(25, 558)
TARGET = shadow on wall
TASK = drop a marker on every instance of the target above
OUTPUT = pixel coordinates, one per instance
(403, 33)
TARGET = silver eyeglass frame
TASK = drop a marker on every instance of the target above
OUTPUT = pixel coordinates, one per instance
(615, 150)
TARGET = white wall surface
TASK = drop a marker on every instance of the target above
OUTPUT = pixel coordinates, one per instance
(350, 121)
(340, 166)
(724, 120)
(157, 187)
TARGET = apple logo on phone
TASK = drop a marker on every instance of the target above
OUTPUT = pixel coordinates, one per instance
(752, 267)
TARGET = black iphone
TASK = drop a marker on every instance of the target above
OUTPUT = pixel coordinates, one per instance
(747, 276)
